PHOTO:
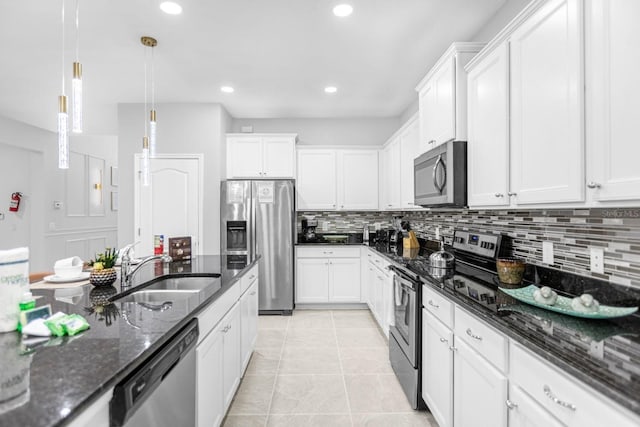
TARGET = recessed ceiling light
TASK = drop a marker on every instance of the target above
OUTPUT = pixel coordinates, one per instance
(171, 8)
(343, 10)
(331, 89)
(227, 89)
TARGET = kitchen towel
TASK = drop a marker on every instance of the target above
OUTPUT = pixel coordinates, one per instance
(14, 281)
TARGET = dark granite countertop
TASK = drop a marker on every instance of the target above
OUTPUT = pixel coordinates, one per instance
(605, 354)
(65, 375)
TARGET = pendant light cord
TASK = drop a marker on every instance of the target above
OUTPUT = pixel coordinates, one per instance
(62, 62)
(77, 30)
(153, 85)
(145, 91)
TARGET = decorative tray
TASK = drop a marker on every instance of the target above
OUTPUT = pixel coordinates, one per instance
(563, 305)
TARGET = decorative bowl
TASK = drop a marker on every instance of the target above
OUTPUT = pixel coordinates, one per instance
(104, 277)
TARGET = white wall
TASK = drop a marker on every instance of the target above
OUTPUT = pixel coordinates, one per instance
(500, 20)
(51, 234)
(184, 129)
(355, 131)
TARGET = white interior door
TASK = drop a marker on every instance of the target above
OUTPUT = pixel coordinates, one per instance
(171, 204)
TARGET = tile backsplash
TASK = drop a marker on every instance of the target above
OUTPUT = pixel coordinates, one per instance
(572, 231)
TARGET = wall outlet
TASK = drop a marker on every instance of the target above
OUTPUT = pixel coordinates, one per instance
(325, 226)
(597, 260)
(547, 252)
(57, 204)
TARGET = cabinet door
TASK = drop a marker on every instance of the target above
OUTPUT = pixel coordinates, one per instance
(613, 100)
(376, 296)
(391, 180)
(344, 280)
(244, 157)
(358, 179)
(547, 156)
(231, 356)
(437, 369)
(488, 129)
(409, 150)
(526, 412)
(312, 280)
(316, 183)
(210, 368)
(249, 323)
(427, 113)
(279, 157)
(479, 390)
(444, 126)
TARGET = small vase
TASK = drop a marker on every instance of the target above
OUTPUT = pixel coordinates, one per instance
(104, 277)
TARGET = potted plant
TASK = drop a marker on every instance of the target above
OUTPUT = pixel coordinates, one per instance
(103, 273)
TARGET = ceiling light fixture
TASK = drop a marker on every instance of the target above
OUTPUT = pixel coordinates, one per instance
(227, 89)
(147, 144)
(343, 10)
(63, 118)
(76, 82)
(171, 8)
(330, 89)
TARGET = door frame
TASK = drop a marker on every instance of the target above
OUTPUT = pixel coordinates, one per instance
(137, 157)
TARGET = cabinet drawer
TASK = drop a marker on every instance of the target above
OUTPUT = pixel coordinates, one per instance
(248, 278)
(209, 317)
(328, 252)
(490, 343)
(438, 305)
(570, 401)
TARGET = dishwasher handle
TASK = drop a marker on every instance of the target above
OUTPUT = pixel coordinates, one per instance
(130, 393)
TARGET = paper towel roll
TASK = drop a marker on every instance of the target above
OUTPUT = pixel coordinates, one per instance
(14, 281)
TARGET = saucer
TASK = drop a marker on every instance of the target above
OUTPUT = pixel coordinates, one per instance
(57, 279)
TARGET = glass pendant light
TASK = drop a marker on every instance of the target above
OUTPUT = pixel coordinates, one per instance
(145, 167)
(145, 161)
(63, 125)
(76, 82)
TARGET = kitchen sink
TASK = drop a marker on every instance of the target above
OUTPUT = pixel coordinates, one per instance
(187, 283)
(158, 295)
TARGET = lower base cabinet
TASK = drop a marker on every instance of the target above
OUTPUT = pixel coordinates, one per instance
(249, 323)
(524, 411)
(327, 274)
(210, 368)
(231, 355)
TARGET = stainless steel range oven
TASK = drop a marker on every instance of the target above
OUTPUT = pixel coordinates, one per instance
(404, 336)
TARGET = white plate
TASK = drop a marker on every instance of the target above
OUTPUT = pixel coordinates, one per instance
(56, 279)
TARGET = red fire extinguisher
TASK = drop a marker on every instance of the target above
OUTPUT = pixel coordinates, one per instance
(15, 202)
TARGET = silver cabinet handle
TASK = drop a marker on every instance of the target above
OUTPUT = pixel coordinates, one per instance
(327, 252)
(432, 304)
(443, 340)
(252, 277)
(499, 195)
(431, 142)
(410, 204)
(253, 293)
(550, 395)
(510, 404)
(593, 185)
(475, 337)
(389, 206)
(229, 327)
(452, 348)
(512, 194)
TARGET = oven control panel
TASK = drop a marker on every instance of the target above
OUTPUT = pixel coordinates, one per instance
(486, 245)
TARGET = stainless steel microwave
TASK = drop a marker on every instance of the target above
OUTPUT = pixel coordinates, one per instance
(440, 176)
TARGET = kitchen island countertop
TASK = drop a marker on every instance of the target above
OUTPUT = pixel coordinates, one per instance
(63, 376)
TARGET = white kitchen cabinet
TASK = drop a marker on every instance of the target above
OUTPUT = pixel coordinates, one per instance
(442, 97)
(437, 369)
(231, 354)
(337, 179)
(210, 367)
(526, 412)
(488, 130)
(316, 185)
(547, 86)
(409, 150)
(480, 390)
(96, 415)
(261, 156)
(357, 179)
(249, 323)
(328, 274)
(612, 101)
(379, 282)
(390, 182)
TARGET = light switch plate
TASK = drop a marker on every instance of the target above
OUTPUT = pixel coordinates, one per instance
(597, 260)
(547, 252)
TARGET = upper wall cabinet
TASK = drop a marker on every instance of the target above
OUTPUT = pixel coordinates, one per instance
(547, 138)
(261, 155)
(330, 179)
(442, 97)
(613, 100)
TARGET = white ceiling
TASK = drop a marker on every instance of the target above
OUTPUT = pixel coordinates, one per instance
(277, 54)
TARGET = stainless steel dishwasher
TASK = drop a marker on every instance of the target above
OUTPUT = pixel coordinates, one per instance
(162, 390)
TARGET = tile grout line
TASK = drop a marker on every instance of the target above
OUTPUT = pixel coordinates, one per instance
(275, 379)
(344, 379)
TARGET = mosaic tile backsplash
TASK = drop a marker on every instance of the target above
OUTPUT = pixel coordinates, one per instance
(572, 231)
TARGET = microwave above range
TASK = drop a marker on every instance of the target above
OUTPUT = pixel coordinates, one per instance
(440, 176)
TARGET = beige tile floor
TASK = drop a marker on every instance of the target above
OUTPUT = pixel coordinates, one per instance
(322, 368)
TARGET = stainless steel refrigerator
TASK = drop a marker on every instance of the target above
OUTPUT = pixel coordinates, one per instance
(258, 218)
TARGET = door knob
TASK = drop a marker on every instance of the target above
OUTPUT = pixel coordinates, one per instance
(593, 185)
(512, 194)
(499, 195)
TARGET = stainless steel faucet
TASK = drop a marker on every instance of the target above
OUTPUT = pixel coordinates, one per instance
(126, 270)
